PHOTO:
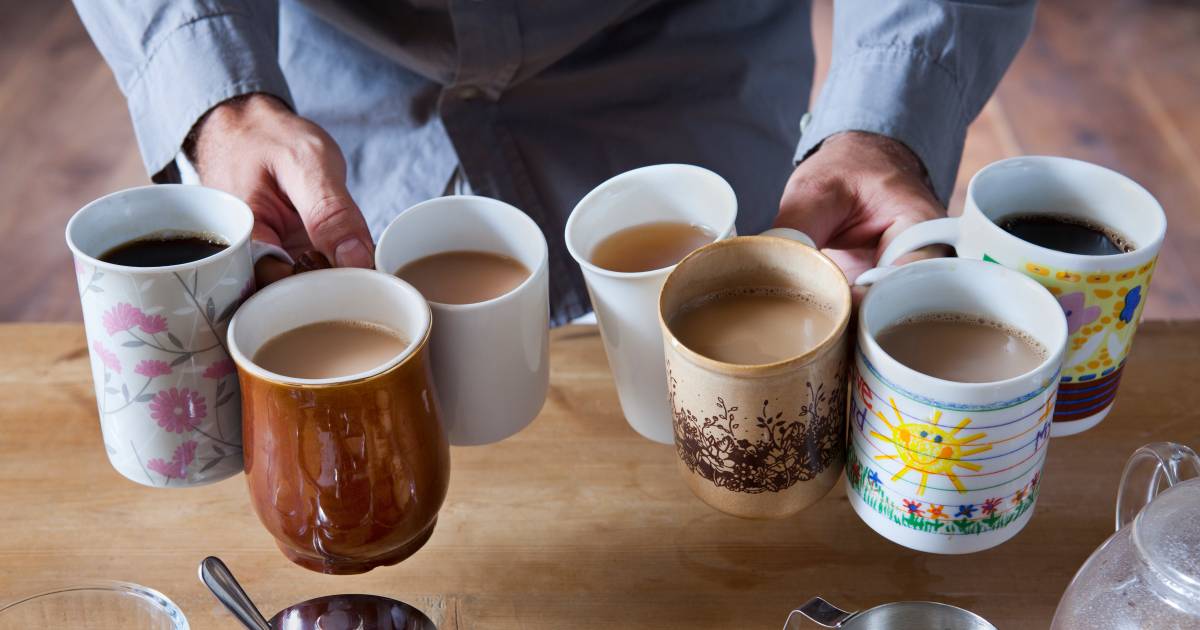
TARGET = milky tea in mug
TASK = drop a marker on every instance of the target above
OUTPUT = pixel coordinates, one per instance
(330, 349)
(649, 246)
(464, 276)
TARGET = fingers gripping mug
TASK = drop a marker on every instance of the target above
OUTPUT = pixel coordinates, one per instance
(166, 388)
(1101, 295)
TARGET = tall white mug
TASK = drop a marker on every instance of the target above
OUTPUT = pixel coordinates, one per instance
(491, 359)
(626, 304)
(166, 388)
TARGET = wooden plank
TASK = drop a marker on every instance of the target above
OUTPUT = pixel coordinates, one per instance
(1068, 94)
(574, 523)
(65, 139)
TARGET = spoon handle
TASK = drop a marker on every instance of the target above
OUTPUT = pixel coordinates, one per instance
(217, 577)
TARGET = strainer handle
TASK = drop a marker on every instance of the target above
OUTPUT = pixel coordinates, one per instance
(1152, 468)
(821, 612)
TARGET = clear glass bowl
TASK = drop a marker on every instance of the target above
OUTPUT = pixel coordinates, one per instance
(94, 606)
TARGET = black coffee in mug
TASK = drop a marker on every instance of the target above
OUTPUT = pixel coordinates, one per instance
(1071, 235)
(163, 249)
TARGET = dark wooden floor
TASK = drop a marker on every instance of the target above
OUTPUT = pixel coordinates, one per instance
(1116, 83)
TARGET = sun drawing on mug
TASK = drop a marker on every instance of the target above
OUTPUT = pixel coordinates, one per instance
(930, 449)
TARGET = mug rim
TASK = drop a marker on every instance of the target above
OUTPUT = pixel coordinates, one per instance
(234, 243)
(870, 348)
(260, 373)
(1131, 257)
(602, 187)
(543, 258)
(844, 307)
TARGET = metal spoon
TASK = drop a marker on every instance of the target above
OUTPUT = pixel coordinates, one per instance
(334, 612)
(217, 577)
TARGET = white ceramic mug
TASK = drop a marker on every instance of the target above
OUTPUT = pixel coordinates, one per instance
(166, 387)
(1103, 296)
(942, 466)
(626, 304)
(491, 360)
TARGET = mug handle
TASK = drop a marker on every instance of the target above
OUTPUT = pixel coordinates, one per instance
(789, 233)
(1147, 470)
(821, 613)
(261, 249)
(933, 232)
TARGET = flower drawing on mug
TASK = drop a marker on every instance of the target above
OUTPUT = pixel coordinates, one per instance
(178, 410)
(220, 369)
(151, 368)
(107, 358)
(159, 359)
(153, 324)
(122, 317)
(177, 468)
(928, 449)
(962, 519)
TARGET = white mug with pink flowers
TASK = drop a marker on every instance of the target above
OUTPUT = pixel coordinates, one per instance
(166, 388)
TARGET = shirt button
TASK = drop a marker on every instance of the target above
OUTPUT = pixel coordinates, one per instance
(805, 121)
(468, 92)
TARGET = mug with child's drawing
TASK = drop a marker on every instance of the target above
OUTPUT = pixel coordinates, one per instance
(943, 466)
(1102, 296)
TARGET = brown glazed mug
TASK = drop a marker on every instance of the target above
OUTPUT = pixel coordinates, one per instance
(346, 473)
(759, 441)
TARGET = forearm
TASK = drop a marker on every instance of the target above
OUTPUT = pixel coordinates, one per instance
(175, 60)
(918, 71)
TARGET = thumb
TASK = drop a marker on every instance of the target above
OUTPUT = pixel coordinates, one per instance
(332, 219)
(815, 205)
(914, 208)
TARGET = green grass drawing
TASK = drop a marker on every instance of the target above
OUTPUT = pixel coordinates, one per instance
(872, 493)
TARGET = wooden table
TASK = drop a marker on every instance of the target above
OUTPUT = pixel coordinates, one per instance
(576, 523)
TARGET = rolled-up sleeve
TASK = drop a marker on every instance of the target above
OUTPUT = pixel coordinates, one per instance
(174, 60)
(918, 71)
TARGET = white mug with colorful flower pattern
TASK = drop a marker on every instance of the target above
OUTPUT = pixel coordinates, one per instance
(166, 388)
(1102, 296)
(943, 466)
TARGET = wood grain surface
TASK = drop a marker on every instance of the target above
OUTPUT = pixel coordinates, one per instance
(1117, 83)
(575, 523)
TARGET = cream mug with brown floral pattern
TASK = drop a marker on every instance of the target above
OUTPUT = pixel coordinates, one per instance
(759, 440)
(166, 388)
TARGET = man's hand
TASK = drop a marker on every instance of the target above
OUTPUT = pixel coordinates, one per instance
(854, 195)
(292, 175)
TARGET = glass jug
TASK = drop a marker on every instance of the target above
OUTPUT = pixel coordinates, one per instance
(1147, 575)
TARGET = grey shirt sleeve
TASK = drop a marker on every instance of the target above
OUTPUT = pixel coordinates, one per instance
(175, 59)
(918, 71)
